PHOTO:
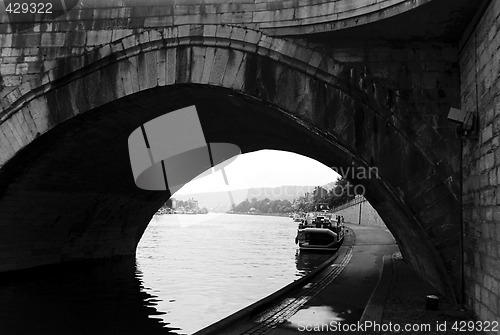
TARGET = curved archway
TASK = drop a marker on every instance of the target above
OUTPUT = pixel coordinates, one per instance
(72, 187)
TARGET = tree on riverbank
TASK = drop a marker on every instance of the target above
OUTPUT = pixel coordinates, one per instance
(263, 206)
(342, 193)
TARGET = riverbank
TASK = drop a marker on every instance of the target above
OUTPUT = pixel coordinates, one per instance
(262, 214)
(373, 287)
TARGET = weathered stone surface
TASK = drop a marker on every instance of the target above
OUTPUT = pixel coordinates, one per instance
(272, 75)
(479, 92)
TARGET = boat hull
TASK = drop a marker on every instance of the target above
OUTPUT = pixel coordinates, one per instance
(319, 239)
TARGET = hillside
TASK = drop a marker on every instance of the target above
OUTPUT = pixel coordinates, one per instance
(220, 201)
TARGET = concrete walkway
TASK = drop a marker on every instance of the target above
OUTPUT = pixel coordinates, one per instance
(404, 304)
(345, 299)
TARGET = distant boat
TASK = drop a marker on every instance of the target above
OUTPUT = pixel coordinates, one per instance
(298, 217)
(162, 211)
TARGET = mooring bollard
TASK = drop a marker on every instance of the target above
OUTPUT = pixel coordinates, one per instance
(432, 303)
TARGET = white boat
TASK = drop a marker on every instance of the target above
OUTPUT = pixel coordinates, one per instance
(320, 231)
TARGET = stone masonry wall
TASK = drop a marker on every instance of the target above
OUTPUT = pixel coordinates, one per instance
(480, 91)
(351, 212)
(278, 17)
(386, 109)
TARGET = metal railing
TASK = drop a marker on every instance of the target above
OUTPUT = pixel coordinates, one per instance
(353, 202)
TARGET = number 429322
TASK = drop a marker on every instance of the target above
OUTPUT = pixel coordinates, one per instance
(29, 8)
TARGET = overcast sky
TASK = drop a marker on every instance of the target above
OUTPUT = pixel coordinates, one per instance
(265, 168)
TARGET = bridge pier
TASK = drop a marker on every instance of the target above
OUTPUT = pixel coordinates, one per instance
(480, 93)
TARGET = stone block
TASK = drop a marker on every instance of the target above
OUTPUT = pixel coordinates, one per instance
(130, 41)
(209, 30)
(53, 39)
(151, 69)
(493, 304)
(483, 312)
(286, 14)
(495, 143)
(477, 291)
(208, 64)
(223, 33)
(219, 66)
(120, 33)
(6, 40)
(31, 59)
(489, 161)
(10, 52)
(12, 134)
(40, 114)
(263, 16)
(197, 63)
(316, 59)
(489, 213)
(161, 56)
(183, 65)
(491, 248)
(485, 296)
(253, 37)
(99, 37)
(7, 69)
(91, 83)
(104, 51)
(230, 18)
(232, 68)
(239, 80)
(238, 34)
(277, 46)
(492, 266)
(26, 131)
(7, 140)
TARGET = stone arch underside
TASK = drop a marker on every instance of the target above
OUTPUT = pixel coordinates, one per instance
(66, 189)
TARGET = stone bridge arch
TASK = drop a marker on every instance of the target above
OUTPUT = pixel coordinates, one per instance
(66, 189)
(276, 17)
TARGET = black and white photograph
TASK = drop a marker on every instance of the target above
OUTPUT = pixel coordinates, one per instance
(249, 167)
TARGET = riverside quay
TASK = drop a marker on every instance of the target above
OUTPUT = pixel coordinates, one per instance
(409, 88)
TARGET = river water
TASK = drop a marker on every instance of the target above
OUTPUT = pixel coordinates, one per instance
(190, 271)
(206, 267)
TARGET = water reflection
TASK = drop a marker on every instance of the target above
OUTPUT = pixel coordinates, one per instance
(105, 298)
(307, 261)
(315, 316)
